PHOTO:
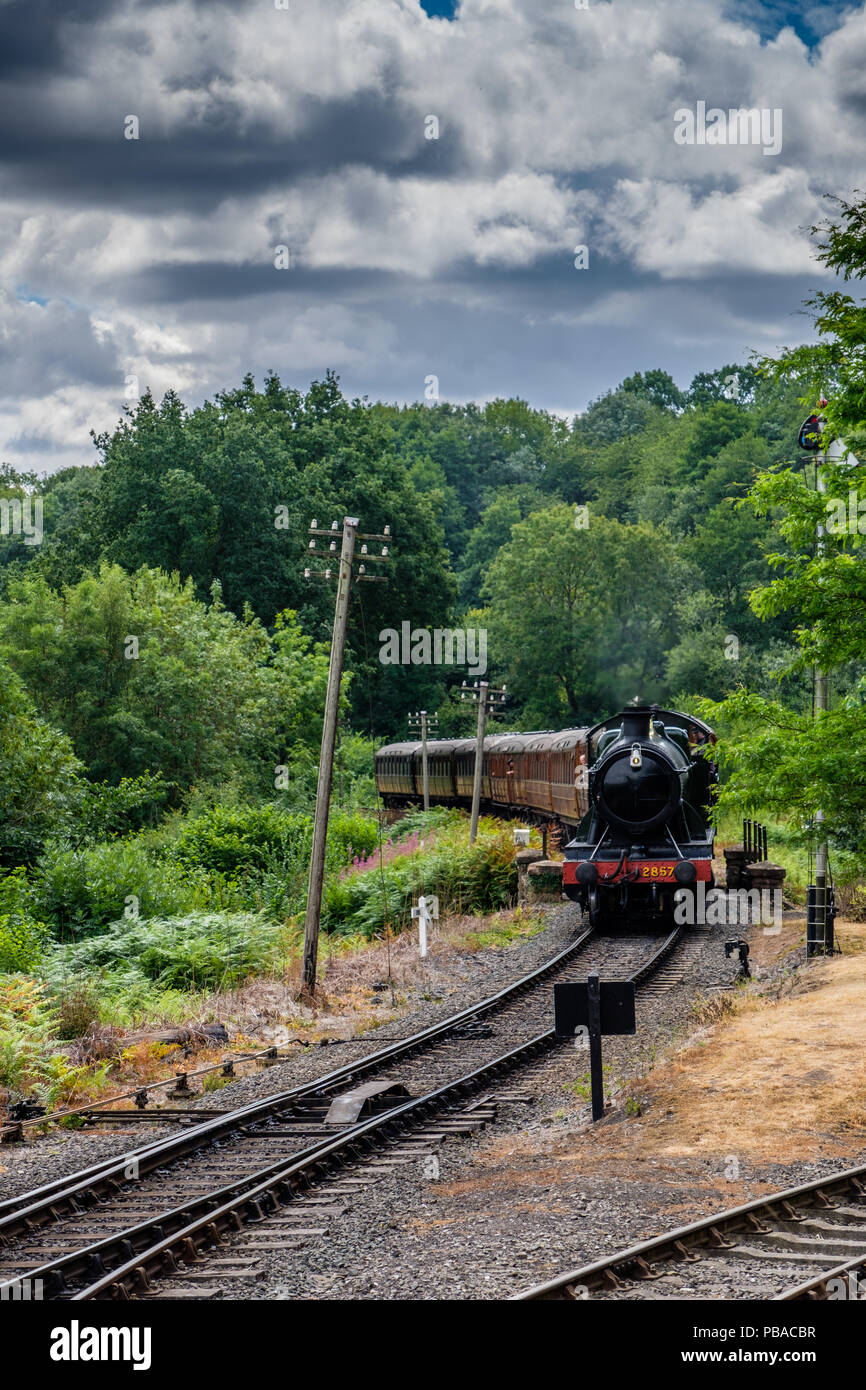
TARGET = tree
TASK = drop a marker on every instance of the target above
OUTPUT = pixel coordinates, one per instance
(579, 617)
(735, 382)
(774, 756)
(656, 386)
(142, 676)
(39, 776)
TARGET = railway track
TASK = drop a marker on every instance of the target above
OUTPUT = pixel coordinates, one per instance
(760, 1250)
(117, 1228)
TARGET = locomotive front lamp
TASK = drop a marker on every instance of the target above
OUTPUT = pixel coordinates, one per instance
(635, 760)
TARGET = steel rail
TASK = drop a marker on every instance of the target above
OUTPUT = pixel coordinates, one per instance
(243, 1200)
(819, 1287)
(302, 1170)
(53, 1117)
(706, 1234)
(24, 1210)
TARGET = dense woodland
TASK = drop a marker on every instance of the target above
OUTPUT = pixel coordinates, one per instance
(639, 599)
(163, 660)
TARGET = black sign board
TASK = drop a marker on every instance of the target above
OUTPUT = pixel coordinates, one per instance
(571, 1007)
(599, 1006)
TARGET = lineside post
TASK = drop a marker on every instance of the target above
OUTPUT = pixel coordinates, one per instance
(479, 761)
(821, 704)
(596, 1073)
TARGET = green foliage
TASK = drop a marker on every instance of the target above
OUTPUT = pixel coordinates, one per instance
(104, 810)
(237, 838)
(39, 776)
(196, 952)
(576, 625)
(466, 878)
(151, 683)
(30, 1063)
(22, 941)
(785, 763)
(351, 834)
(82, 891)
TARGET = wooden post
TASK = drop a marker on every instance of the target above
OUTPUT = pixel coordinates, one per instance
(326, 759)
(595, 1064)
(426, 779)
(479, 761)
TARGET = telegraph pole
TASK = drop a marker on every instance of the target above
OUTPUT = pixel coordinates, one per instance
(329, 727)
(426, 723)
(811, 438)
(819, 680)
(485, 695)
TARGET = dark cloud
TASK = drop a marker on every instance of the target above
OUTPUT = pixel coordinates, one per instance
(222, 156)
(412, 256)
(34, 34)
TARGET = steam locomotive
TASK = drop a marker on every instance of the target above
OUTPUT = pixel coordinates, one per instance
(631, 796)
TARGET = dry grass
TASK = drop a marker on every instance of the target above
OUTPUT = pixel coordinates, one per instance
(768, 1079)
(363, 985)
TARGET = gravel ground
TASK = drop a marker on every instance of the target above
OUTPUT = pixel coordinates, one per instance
(454, 981)
(524, 1200)
(509, 1206)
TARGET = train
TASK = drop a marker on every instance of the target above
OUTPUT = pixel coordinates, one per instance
(631, 798)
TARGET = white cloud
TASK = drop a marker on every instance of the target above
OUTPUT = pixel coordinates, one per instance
(556, 127)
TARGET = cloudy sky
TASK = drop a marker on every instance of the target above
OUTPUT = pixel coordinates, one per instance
(150, 261)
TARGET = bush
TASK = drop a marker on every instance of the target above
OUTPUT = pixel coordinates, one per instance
(77, 1009)
(234, 839)
(81, 891)
(21, 943)
(28, 1060)
(200, 951)
(466, 878)
(104, 810)
(351, 834)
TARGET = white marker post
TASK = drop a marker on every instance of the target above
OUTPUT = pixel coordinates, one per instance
(426, 912)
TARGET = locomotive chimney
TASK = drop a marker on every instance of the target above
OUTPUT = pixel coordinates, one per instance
(636, 722)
